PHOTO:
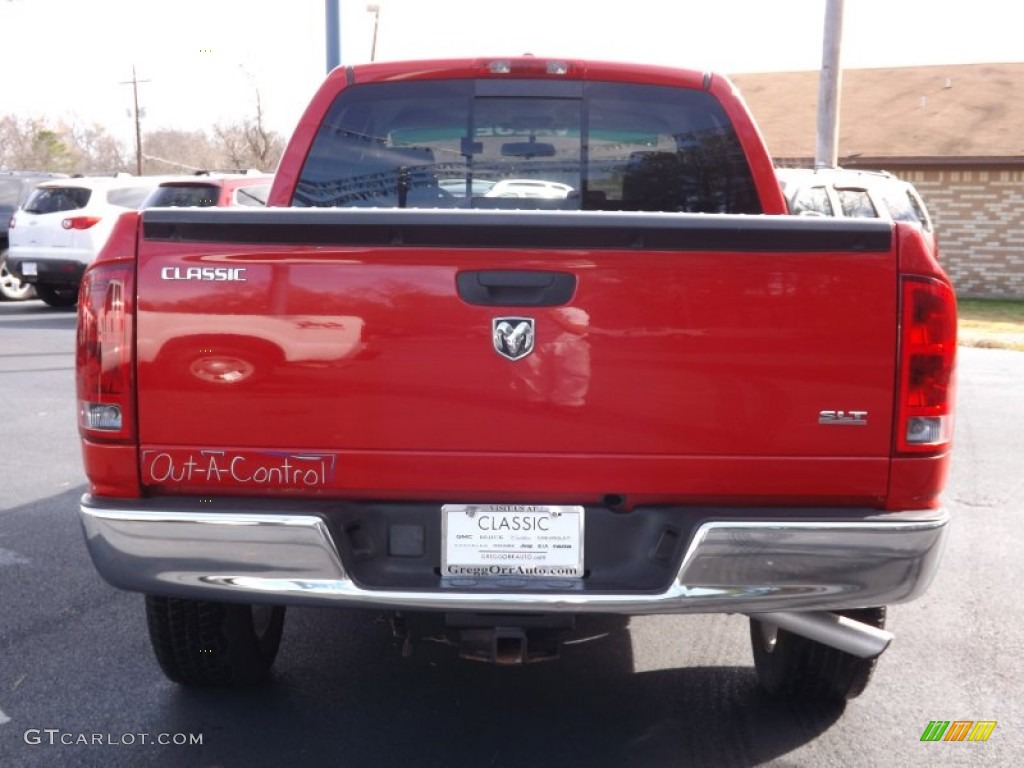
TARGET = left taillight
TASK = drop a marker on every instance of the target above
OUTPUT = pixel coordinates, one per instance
(924, 422)
(104, 361)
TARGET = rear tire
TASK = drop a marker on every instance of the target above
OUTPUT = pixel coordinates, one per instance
(794, 666)
(60, 298)
(11, 288)
(202, 643)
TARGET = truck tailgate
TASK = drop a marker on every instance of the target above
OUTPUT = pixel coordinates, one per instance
(676, 355)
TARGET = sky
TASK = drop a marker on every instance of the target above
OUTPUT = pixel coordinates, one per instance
(201, 62)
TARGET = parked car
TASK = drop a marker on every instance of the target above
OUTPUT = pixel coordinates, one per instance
(529, 188)
(62, 226)
(849, 193)
(459, 187)
(15, 187)
(211, 189)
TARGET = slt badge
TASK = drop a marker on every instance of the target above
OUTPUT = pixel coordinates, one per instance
(513, 336)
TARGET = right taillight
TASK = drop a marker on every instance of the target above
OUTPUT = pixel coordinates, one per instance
(104, 353)
(924, 413)
(80, 222)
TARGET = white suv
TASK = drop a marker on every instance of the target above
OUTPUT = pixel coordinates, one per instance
(849, 193)
(62, 227)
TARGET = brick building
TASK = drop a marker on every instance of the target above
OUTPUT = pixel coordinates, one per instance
(956, 132)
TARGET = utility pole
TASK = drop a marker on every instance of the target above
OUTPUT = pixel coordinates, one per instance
(138, 122)
(826, 154)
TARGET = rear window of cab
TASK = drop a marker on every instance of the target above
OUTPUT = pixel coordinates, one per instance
(587, 145)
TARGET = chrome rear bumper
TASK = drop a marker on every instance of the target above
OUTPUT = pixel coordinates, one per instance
(287, 555)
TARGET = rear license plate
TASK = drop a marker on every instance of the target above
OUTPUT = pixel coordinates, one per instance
(28, 269)
(517, 540)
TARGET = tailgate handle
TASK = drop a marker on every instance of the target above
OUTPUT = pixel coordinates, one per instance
(516, 288)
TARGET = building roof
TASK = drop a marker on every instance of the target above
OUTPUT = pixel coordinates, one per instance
(945, 112)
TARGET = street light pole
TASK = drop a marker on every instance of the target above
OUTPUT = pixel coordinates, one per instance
(375, 10)
(331, 24)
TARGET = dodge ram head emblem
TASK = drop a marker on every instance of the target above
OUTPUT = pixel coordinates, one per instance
(513, 336)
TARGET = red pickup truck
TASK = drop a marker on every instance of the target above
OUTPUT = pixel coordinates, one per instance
(514, 340)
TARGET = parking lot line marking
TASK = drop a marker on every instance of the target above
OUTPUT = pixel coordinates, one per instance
(10, 557)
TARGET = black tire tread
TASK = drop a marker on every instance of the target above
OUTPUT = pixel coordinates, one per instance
(58, 298)
(204, 643)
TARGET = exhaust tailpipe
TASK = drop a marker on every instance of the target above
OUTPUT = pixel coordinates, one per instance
(831, 629)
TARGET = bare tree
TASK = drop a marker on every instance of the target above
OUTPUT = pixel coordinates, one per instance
(250, 144)
(97, 151)
(35, 144)
(12, 136)
(174, 151)
(31, 144)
